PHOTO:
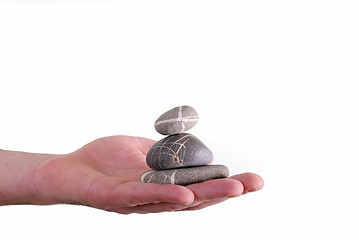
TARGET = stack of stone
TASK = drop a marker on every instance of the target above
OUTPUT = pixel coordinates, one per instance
(180, 158)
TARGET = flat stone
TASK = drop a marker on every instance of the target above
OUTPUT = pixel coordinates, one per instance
(185, 176)
(176, 151)
(176, 120)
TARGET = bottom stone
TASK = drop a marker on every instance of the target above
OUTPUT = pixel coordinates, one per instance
(185, 176)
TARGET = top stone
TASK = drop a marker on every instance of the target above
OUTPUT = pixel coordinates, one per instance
(176, 120)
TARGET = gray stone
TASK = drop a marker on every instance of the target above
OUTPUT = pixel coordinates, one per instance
(185, 176)
(176, 151)
(176, 120)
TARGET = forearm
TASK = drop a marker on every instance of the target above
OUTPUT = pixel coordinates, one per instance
(19, 181)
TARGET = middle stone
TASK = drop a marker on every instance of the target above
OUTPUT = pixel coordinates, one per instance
(177, 151)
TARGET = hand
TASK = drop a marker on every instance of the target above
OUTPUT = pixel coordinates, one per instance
(105, 174)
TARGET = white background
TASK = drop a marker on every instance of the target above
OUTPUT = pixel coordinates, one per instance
(274, 83)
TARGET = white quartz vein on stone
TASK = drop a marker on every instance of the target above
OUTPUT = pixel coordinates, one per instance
(172, 120)
(172, 178)
(180, 113)
(144, 175)
(180, 119)
(176, 153)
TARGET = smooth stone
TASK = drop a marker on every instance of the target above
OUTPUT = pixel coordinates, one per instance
(176, 151)
(185, 176)
(176, 120)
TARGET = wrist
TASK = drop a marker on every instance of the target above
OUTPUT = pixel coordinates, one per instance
(19, 181)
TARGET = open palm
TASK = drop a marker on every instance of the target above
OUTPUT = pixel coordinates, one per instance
(106, 174)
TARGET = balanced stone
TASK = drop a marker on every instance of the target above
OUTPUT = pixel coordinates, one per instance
(176, 120)
(185, 176)
(177, 151)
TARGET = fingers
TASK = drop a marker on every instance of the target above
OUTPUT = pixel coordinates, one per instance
(206, 204)
(144, 193)
(131, 194)
(214, 189)
(206, 194)
(165, 207)
(150, 208)
(251, 182)
(134, 197)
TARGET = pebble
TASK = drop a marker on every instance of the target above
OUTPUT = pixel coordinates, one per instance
(185, 176)
(176, 120)
(178, 151)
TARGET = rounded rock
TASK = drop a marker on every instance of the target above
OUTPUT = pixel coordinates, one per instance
(176, 120)
(185, 176)
(176, 151)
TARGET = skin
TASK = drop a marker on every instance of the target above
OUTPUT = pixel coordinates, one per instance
(105, 174)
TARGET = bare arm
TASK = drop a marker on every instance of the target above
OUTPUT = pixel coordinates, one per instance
(18, 182)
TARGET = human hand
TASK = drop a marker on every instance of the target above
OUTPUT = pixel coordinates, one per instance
(105, 174)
